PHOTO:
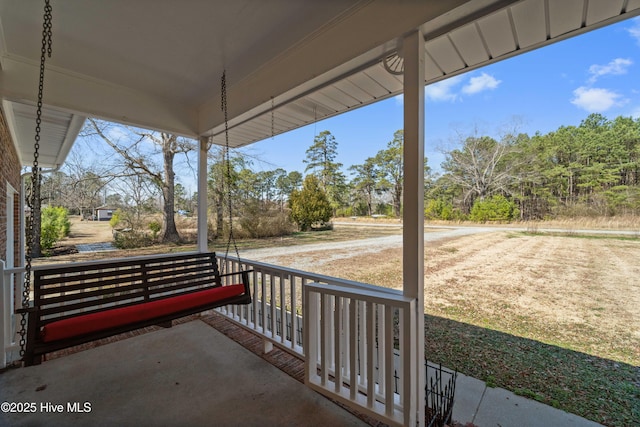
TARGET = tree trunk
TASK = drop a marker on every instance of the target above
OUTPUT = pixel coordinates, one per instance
(397, 200)
(170, 230)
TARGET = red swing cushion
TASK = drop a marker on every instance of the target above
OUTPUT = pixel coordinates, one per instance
(94, 322)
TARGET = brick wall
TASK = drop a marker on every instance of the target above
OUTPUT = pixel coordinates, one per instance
(9, 174)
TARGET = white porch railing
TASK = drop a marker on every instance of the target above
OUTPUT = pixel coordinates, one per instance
(10, 296)
(274, 287)
(351, 350)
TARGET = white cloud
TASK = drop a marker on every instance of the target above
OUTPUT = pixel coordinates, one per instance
(443, 90)
(634, 30)
(616, 67)
(116, 133)
(595, 100)
(447, 90)
(480, 83)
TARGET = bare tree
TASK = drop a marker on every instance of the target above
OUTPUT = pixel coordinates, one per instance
(141, 161)
(137, 189)
(483, 166)
(85, 183)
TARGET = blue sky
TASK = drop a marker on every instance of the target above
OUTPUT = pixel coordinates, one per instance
(561, 84)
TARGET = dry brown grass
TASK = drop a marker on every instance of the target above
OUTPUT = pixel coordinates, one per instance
(595, 223)
(573, 292)
(575, 223)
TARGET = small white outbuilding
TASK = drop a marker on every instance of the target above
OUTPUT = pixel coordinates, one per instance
(103, 213)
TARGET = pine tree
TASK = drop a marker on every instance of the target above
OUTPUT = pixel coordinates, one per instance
(321, 162)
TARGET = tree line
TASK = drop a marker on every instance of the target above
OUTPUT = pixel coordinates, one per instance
(587, 170)
(592, 169)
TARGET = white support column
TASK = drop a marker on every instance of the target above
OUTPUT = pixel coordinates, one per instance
(202, 196)
(413, 199)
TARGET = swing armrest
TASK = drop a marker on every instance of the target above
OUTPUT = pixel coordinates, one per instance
(245, 279)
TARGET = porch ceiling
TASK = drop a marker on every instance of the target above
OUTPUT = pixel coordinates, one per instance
(157, 64)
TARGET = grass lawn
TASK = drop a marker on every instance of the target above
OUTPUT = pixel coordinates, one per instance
(596, 388)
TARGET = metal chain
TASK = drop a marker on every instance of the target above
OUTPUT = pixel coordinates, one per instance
(224, 107)
(272, 119)
(34, 194)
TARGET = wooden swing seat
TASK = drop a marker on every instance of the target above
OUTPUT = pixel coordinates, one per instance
(79, 303)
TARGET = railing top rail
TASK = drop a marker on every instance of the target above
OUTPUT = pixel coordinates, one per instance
(314, 277)
(13, 270)
(363, 294)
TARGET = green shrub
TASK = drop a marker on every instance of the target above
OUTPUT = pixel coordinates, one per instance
(55, 225)
(495, 208)
(155, 228)
(48, 234)
(310, 205)
(116, 218)
(439, 209)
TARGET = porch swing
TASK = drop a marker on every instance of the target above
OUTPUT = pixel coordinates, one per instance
(83, 302)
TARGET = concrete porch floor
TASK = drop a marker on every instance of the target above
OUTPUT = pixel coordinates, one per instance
(188, 375)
